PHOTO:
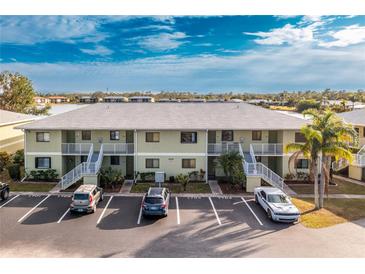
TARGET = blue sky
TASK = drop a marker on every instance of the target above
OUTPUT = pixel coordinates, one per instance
(202, 54)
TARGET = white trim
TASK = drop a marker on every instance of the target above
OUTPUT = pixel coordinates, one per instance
(176, 154)
(9, 144)
(177, 210)
(206, 156)
(44, 153)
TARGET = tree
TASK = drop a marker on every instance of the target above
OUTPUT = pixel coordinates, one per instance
(310, 150)
(183, 179)
(307, 104)
(336, 137)
(229, 162)
(18, 94)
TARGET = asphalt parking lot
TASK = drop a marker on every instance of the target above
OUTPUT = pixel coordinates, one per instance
(42, 226)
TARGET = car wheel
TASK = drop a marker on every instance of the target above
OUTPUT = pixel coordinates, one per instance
(5, 194)
(256, 199)
(269, 214)
(101, 197)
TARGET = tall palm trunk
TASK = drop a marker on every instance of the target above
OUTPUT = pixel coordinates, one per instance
(323, 181)
(315, 171)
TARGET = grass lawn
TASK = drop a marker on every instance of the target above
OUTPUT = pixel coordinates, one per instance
(31, 187)
(174, 188)
(335, 211)
(284, 108)
(342, 187)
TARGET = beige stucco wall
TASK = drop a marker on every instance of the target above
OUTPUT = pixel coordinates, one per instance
(170, 143)
(170, 165)
(355, 172)
(53, 146)
(11, 139)
(121, 167)
(56, 162)
(252, 182)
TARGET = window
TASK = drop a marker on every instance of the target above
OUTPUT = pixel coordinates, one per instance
(258, 159)
(188, 163)
(299, 137)
(256, 135)
(83, 158)
(227, 135)
(152, 163)
(189, 137)
(43, 137)
(114, 160)
(86, 135)
(302, 163)
(114, 135)
(43, 162)
(263, 194)
(152, 137)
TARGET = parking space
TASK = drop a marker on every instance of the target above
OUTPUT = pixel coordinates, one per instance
(190, 220)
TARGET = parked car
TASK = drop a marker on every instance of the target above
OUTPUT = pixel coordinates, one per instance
(156, 201)
(86, 198)
(276, 204)
(4, 191)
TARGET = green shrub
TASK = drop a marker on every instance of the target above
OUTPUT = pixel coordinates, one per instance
(18, 157)
(307, 104)
(4, 160)
(111, 177)
(182, 179)
(147, 176)
(44, 175)
(14, 171)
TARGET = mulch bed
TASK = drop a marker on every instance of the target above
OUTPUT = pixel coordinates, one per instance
(228, 188)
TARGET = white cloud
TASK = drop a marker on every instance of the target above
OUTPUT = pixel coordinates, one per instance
(98, 50)
(285, 35)
(162, 41)
(260, 70)
(350, 35)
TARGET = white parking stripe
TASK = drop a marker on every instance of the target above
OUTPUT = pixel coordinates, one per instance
(177, 210)
(140, 214)
(253, 213)
(215, 212)
(102, 213)
(30, 211)
(63, 216)
(9, 201)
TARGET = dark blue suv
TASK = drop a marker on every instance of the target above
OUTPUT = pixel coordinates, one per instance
(156, 202)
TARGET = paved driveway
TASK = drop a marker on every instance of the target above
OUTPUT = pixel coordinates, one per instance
(42, 226)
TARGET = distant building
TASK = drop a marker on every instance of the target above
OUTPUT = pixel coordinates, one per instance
(141, 99)
(193, 100)
(215, 101)
(169, 100)
(58, 99)
(115, 99)
(12, 139)
(41, 100)
(88, 100)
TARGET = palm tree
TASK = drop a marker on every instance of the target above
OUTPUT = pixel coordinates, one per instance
(229, 161)
(336, 137)
(310, 150)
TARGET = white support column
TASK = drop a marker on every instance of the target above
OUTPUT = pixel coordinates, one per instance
(206, 156)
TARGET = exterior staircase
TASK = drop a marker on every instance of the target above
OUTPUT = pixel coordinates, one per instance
(90, 167)
(253, 168)
(359, 160)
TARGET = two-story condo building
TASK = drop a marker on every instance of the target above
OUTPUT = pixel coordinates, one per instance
(356, 169)
(169, 137)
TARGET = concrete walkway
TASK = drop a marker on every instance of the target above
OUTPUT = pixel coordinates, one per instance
(126, 187)
(349, 180)
(215, 188)
(334, 196)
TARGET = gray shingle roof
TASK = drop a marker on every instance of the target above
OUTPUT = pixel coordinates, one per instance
(169, 116)
(9, 117)
(355, 117)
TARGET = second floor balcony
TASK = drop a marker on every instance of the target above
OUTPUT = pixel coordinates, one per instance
(269, 149)
(108, 148)
(224, 147)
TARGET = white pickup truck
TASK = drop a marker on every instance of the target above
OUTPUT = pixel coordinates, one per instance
(276, 204)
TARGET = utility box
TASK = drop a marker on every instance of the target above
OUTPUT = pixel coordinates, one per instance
(159, 177)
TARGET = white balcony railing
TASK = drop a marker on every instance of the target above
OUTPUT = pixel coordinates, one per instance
(224, 147)
(75, 148)
(118, 148)
(267, 149)
(360, 157)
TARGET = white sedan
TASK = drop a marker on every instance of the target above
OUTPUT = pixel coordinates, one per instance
(276, 204)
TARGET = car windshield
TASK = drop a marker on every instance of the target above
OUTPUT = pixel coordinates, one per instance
(81, 196)
(153, 200)
(278, 198)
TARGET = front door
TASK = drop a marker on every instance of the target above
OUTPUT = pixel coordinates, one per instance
(129, 136)
(129, 167)
(70, 136)
(70, 163)
(211, 168)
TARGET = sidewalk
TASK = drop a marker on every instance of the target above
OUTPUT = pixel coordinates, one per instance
(215, 188)
(334, 196)
(126, 187)
(349, 180)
